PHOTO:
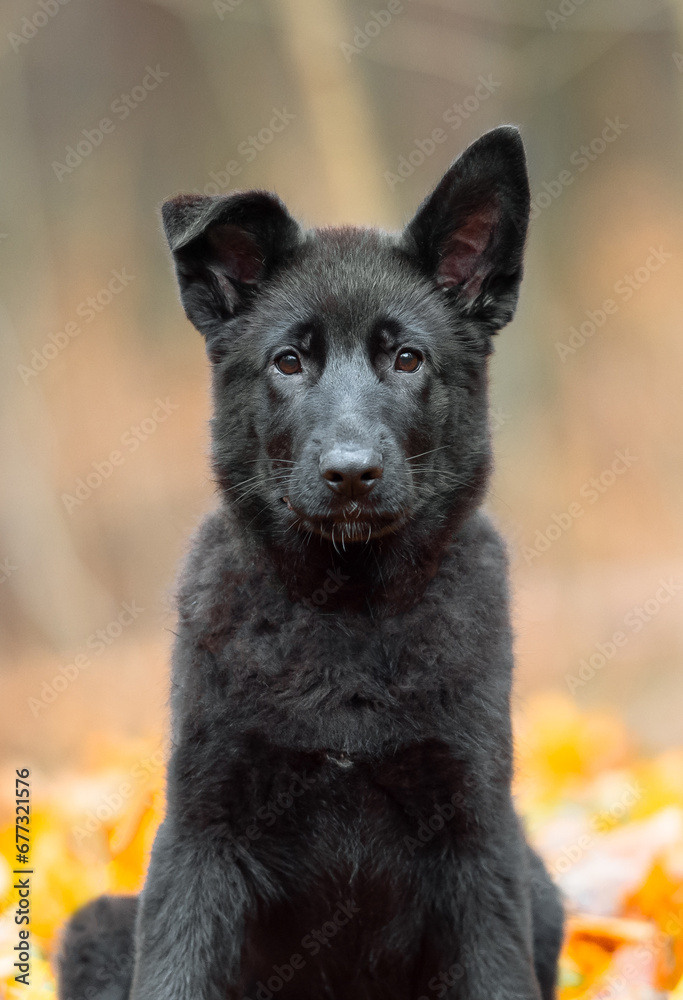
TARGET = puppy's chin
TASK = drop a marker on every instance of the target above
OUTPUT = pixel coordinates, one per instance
(359, 526)
(348, 532)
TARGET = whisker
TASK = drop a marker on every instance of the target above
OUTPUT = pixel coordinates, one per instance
(243, 482)
(421, 454)
(252, 461)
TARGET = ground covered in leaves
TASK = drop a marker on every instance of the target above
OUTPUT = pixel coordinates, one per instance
(608, 821)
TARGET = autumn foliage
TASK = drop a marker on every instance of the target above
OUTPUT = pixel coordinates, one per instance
(608, 821)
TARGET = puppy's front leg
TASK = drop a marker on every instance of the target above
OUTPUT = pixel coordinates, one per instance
(191, 919)
(484, 937)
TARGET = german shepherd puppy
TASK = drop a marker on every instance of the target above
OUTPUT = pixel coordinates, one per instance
(339, 821)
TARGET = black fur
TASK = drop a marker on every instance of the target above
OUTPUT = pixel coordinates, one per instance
(339, 819)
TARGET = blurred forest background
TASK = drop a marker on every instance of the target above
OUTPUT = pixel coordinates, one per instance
(351, 112)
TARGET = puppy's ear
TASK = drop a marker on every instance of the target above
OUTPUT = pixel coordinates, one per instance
(468, 235)
(224, 248)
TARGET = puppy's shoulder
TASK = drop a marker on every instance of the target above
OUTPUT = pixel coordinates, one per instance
(478, 549)
(472, 582)
(217, 556)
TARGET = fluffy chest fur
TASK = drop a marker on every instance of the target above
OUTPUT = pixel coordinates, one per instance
(317, 678)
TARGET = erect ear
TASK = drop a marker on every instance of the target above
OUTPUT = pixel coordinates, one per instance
(224, 248)
(468, 235)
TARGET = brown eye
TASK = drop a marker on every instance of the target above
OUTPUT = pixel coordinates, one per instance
(288, 363)
(408, 361)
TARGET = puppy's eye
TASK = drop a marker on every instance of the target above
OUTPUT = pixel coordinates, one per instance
(288, 363)
(408, 361)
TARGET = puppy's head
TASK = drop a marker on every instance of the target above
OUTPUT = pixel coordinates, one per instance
(349, 366)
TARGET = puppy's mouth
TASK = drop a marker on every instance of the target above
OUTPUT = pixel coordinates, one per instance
(352, 523)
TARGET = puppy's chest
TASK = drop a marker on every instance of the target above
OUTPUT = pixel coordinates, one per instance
(333, 686)
(294, 653)
(250, 659)
(326, 800)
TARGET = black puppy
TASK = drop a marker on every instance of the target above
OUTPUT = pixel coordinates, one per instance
(339, 822)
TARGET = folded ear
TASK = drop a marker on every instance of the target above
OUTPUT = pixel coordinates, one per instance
(468, 235)
(224, 248)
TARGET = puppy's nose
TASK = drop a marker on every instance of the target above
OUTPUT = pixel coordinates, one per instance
(351, 472)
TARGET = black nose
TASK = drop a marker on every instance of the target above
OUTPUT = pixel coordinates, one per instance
(351, 472)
